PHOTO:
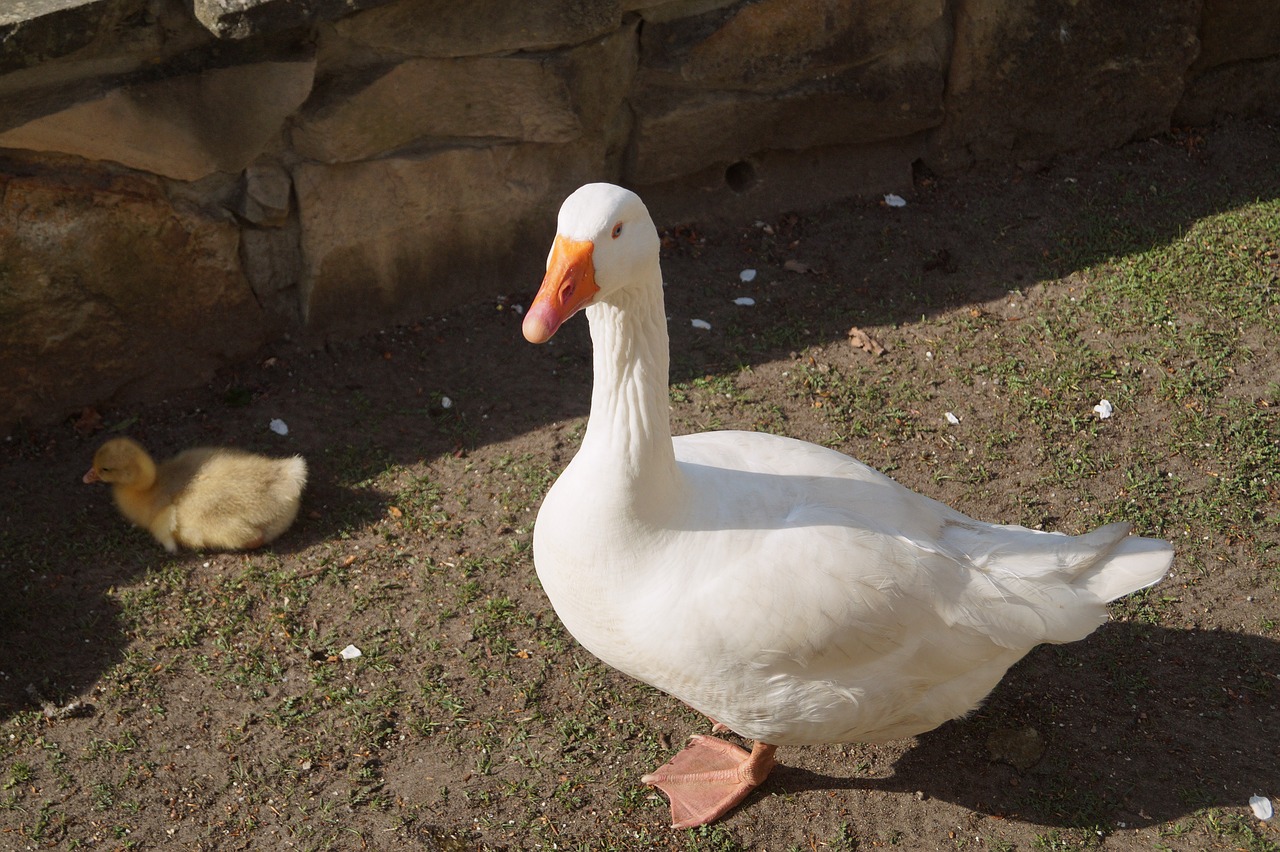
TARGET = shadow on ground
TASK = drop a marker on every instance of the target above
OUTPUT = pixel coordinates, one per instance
(1193, 709)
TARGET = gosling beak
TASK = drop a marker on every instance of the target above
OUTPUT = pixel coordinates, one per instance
(91, 476)
(569, 285)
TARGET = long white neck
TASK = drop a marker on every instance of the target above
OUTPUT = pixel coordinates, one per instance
(629, 433)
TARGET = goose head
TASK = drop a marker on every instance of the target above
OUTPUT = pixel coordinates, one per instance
(605, 241)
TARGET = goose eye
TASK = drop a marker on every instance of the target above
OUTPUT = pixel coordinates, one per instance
(617, 230)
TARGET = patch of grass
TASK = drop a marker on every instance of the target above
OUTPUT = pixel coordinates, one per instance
(1070, 840)
(1241, 832)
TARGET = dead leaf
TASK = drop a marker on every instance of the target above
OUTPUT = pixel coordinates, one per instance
(797, 266)
(394, 512)
(861, 340)
(89, 421)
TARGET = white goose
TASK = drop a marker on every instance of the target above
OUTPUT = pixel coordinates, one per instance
(787, 591)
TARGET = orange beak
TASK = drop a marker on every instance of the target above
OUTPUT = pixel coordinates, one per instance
(569, 285)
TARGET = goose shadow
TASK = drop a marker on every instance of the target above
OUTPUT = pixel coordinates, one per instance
(1140, 725)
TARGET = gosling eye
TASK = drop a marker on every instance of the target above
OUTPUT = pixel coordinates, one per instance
(617, 230)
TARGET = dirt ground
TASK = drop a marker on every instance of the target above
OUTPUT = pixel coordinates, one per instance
(200, 701)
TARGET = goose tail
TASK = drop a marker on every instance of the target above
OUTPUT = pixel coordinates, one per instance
(1129, 563)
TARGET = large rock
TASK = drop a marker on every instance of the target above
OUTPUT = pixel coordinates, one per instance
(1030, 80)
(774, 45)
(1237, 31)
(404, 236)
(444, 29)
(1238, 69)
(513, 98)
(57, 53)
(107, 284)
(1234, 89)
(833, 76)
(860, 106)
(708, 94)
(183, 127)
(553, 98)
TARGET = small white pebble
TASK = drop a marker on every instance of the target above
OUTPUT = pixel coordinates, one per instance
(1261, 806)
(702, 324)
(350, 652)
(279, 427)
(519, 309)
(445, 402)
(895, 200)
(952, 419)
(928, 356)
(1104, 409)
(746, 301)
(747, 275)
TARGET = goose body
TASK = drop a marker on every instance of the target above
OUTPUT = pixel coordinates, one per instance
(204, 498)
(787, 591)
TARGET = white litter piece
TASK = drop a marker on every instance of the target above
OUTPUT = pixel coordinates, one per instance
(519, 309)
(747, 275)
(279, 427)
(895, 200)
(350, 652)
(702, 324)
(1104, 409)
(952, 419)
(745, 301)
(445, 402)
(1261, 806)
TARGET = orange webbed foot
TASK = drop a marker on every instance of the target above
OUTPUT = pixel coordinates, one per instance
(709, 777)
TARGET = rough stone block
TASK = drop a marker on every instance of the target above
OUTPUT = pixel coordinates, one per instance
(779, 75)
(182, 127)
(773, 45)
(1237, 89)
(1238, 30)
(396, 236)
(513, 98)
(681, 133)
(443, 29)
(107, 284)
(272, 262)
(264, 195)
(1033, 80)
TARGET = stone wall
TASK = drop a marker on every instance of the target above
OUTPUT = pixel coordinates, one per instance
(182, 180)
